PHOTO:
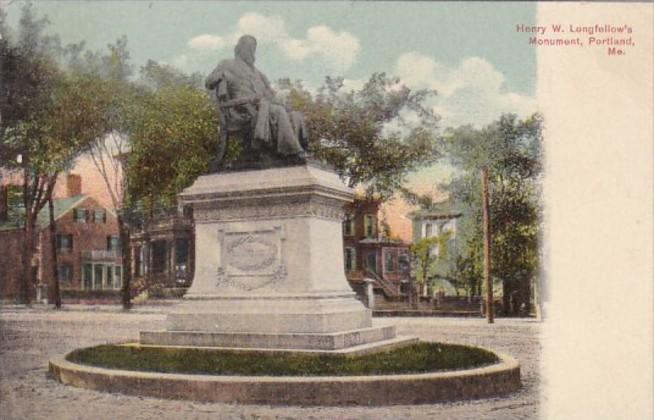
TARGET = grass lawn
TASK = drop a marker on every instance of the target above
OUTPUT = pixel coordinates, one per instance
(417, 358)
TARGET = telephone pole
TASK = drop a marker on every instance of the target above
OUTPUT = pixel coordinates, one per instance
(487, 244)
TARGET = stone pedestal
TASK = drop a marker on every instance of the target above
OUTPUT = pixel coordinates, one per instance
(269, 265)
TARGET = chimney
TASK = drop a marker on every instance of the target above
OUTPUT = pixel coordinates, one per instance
(4, 203)
(73, 185)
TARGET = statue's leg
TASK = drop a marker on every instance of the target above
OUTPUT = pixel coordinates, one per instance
(287, 141)
(221, 146)
(300, 128)
(262, 137)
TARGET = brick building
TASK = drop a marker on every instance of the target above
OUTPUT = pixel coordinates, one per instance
(87, 242)
(163, 255)
(370, 253)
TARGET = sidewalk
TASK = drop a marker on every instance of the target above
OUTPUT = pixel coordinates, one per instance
(152, 307)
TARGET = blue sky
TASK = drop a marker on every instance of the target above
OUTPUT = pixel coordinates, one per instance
(469, 51)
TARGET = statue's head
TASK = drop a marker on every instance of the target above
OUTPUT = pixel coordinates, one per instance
(245, 48)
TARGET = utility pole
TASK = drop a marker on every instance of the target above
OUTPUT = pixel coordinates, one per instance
(487, 244)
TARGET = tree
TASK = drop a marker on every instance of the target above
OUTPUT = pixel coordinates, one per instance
(27, 76)
(172, 131)
(467, 273)
(48, 119)
(511, 150)
(373, 136)
(108, 155)
(366, 135)
(155, 76)
(431, 256)
(109, 151)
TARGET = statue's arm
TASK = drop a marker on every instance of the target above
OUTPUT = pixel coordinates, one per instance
(216, 79)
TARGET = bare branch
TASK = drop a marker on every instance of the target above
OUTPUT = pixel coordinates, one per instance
(98, 154)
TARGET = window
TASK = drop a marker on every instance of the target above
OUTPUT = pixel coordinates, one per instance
(403, 261)
(80, 215)
(369, 225)
(138, 261)
(99, 276)
(158, 249)
(88, 277)
(348, 226)
(65, 273)
(113, 243)
(350, 259)
(118, 277)
(428, 230)
(181, 254)
(433, 251)
(65, 243)
(389, 261)
(99, 216)
(371, 262)
(108, 277)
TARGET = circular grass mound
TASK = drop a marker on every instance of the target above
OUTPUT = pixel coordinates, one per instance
(417, 358)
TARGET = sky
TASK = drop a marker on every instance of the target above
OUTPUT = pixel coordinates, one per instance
(468, 51)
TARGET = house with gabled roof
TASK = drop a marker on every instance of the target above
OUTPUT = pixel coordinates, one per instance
(87, 241)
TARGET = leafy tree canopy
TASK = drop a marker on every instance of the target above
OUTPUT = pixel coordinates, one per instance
(511, 150)
(431, 257)
(373, 136)
(173, 135)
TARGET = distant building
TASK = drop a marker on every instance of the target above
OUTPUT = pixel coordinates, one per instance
(88, 245)
(370, 254)
(440, 218)
(163, 254)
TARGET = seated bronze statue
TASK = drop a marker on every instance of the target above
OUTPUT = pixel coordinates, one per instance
(269, 133)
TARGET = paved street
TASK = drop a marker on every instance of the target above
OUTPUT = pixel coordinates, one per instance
(29, 337)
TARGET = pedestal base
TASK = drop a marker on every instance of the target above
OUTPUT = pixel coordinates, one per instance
(269, 266)
(301, 313)
(304, 341)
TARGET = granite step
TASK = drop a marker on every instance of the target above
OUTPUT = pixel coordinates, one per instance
(308, 341)
(358, 350)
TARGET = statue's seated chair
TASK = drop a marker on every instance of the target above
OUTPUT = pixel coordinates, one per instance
(243, 127)
(238, 117)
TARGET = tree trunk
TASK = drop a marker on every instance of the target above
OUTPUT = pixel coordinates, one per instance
(26, 260)
(506, 298)
(55, 262)
(487, 250)
(126, 293)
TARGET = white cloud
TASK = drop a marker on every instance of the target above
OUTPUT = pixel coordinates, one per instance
(340, 49)
(421, 71)
(267, 29)
(471, 93)
(337, 50)
(206, 42)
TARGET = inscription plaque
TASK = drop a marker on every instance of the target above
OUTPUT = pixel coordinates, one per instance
(251, 253)
(251, 260)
